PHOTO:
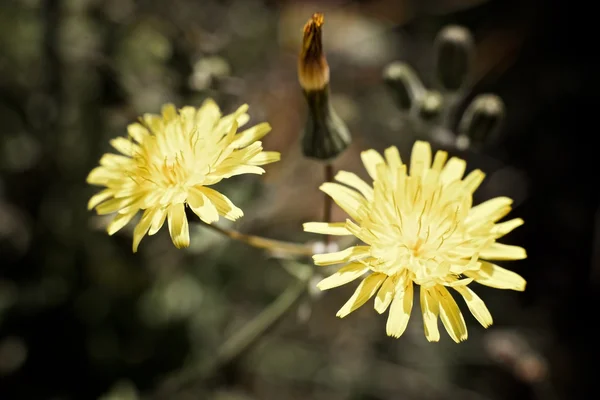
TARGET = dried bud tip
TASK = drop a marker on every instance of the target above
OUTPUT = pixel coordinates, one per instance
(316, 21)
(313, 70)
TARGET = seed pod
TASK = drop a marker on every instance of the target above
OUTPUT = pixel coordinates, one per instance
(325, 135)
(480, 121)
(454, 51)
(404, 85)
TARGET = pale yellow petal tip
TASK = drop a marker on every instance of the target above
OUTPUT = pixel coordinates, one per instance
(209, 101)
(235, 215)
(91, 204)
(421, 143)
(432, 339)
(461, 339)
(274, 156)
(181, 243)
(167, 108)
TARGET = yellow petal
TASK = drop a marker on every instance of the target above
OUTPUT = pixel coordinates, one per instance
(234, 170)
(101, 176)
(125, 146)
(119, 222)
(476, 306)
(222, 203)
(114, 205)
(371, 159)
(169, 112)
(153, 122)
(439, 160)
(138, 132)
(400, 310)
(251, 135)
(115, 161)
(420, 158)
(208, 115)
(265, 157)
(354, 181)
(202, 206)
(363, 293)
(99, 198)
(499, 251)
(450, 315)
(392, 157)
(430, 307)
(348, 199)
(343, 276)
(490, 210)
(453, 170)
(385, 295)
(349, 254)
(506, 227)
(473, 180)
(239, 116)
(158, 220)
(324, 228)
(178, 226)
(497, 277)
(141, 228)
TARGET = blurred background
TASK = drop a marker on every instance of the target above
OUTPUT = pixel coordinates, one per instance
(81, 317)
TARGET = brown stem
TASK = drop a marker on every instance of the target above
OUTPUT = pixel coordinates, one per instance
(328, 203)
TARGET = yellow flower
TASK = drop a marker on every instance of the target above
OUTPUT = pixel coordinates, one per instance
(419, 227)
(168, 161)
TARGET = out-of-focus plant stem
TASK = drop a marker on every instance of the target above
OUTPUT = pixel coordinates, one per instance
(275, 246)
(240, 342)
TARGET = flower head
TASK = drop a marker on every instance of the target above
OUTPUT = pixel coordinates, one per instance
(419, 228)
(169, 161)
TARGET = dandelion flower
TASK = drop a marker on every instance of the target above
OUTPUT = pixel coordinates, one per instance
(169, 161)
(419, 227)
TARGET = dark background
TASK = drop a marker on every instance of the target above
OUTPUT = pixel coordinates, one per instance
(81, 317)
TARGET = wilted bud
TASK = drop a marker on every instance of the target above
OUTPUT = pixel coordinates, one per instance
(313, 70)
(404, 84)
(430, 105)
(454, 57)
(325, 135)
(480, 121)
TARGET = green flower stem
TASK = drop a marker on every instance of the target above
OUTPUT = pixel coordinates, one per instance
(239, 343)
(274, 246)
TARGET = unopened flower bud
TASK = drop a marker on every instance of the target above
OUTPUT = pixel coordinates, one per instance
(405, 86)
(480, 121)
(313, 70)
(454, 57)
(325, 135)
(430, 105)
